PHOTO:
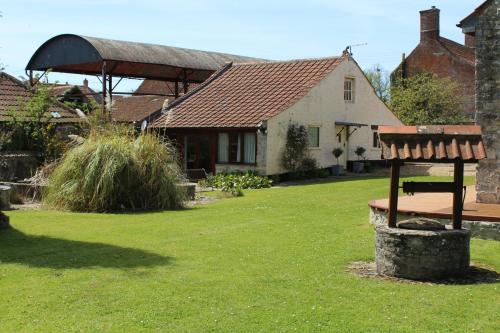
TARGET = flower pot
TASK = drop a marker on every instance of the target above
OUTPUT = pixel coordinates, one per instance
(336, 170)
(358, 167)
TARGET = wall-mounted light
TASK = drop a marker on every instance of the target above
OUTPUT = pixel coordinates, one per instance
(262, 127)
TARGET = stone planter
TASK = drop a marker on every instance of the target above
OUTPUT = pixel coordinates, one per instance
(421, 254)
(189, 189)
(336, 170)
(358, 167)
(4, 197)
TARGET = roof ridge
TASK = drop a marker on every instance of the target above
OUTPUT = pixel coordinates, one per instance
(271, 62)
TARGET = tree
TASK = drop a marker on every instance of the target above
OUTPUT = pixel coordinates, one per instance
(379, 78)
(425, 99)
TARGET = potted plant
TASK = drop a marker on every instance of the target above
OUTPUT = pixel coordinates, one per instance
(337, 169)
(358, 167)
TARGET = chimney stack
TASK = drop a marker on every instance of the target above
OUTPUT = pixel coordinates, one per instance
(85, 83)
(429, 24)
(470, 40)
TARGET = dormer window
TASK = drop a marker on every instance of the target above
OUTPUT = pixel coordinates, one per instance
(349, 89)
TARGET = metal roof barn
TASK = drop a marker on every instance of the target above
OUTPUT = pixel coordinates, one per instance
(69, 53)
(107, 58)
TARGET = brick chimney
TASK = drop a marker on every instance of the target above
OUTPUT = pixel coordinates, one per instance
(85, 83)
(429, 24)
(470, 40)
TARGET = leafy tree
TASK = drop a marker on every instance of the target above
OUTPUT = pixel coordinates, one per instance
(426, 99)
(379, 78)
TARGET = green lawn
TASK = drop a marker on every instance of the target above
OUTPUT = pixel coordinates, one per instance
(271, 261)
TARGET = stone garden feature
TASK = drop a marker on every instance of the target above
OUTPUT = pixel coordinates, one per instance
(420, 248)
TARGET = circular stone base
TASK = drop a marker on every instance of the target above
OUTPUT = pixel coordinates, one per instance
(420, 254)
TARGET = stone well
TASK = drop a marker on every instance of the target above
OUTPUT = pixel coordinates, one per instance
(421, 254)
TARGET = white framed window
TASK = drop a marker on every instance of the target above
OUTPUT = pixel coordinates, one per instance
(313, 132)
(236, 147)
(349, 89)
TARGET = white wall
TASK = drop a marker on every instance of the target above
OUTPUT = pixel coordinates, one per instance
(323, 105)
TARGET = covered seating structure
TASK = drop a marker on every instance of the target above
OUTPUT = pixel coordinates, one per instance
(106, 58)
(457, 144)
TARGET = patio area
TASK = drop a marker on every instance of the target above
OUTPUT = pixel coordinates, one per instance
(439, 205)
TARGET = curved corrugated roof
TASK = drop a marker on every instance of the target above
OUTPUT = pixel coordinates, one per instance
(85, 55)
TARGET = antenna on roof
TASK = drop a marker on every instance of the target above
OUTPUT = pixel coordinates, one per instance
(348, 49)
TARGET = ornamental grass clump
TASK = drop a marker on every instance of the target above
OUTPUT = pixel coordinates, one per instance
(115, 171)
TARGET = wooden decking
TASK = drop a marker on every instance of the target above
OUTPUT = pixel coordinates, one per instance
(439, 205)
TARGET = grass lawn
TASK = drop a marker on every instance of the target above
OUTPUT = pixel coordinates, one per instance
(271, 261)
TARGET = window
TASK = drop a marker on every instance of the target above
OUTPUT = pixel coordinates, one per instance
(313, 136)
(376, 142)
(236, 147)
(222, 151)
(349, 90)
(249, 148)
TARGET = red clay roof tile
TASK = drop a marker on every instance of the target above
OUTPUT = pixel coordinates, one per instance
(242, 95)
(14, 94)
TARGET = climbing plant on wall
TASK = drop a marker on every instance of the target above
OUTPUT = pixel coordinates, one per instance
(295, 147)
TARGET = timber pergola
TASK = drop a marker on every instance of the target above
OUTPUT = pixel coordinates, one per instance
(107, 58)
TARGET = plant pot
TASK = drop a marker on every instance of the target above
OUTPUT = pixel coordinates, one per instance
(358, 167)
(336, 170)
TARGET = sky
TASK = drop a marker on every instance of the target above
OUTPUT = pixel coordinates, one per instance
(277, 30)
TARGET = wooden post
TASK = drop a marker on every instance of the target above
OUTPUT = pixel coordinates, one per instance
(184, 82)
(104, 88)
(458, 182)
(176, 92)
(110, 92)
(393, 195)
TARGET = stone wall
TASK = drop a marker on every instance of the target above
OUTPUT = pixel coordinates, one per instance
(17, 165)
(488, 101)
(421, 255)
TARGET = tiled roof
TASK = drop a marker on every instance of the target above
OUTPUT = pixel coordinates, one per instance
(58, 90)
(149, 86)
(242, 95)
(136, 108)
(14, 94)
(459, 50)
(434, 143)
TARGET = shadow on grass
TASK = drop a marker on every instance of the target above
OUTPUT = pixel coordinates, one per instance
(474, 275)
(43, 251)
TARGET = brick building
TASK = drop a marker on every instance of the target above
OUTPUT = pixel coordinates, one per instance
(443, 57)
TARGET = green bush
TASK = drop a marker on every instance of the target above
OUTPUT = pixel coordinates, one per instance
(246, 180)
(114, 171)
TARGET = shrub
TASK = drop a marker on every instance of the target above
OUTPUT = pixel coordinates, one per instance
(113, 171)
(337, 152)
(295, 151)
(360, 151)
(246, 180)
